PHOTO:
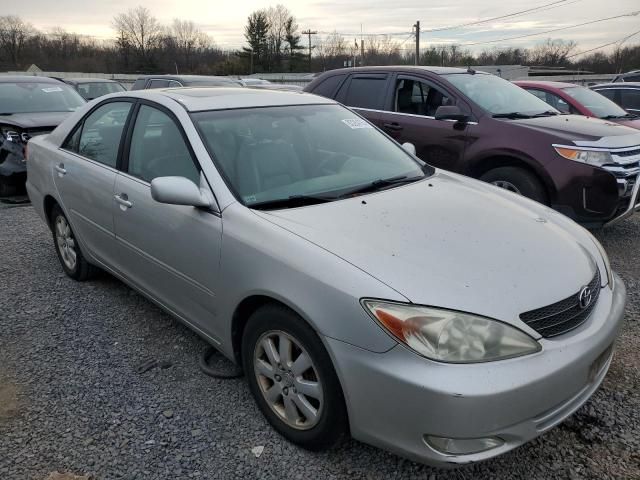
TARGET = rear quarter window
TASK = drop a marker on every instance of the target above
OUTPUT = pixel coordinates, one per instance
(327, 88)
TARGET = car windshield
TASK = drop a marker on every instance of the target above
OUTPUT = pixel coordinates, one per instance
(497, 95)
(600, 105)
(311, 152)
(93, 90)
(32, 97)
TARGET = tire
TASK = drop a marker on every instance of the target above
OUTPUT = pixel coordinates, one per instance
(517, 180)
(71, 258)
(293, 384)
(6, 189)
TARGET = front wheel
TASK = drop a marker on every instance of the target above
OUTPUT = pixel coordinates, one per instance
(292, 379)
(517, 180)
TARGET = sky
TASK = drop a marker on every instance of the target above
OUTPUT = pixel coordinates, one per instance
(225, 20)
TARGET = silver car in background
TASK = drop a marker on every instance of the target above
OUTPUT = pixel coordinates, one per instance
(362, 291)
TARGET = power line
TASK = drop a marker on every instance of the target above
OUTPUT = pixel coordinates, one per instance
(631, 14)
(514, 14)
(620, 42)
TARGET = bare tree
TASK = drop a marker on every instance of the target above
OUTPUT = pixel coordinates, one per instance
(140, 30)
(189, 40)
(277, 17)
(14, 33)
(332, 51)
(552, 52)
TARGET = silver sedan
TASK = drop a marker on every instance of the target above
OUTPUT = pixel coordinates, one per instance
(362, 291)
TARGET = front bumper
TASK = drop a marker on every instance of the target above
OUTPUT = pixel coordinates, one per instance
(632, 203)
(397, 398)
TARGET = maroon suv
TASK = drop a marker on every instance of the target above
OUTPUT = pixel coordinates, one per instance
(485, 127)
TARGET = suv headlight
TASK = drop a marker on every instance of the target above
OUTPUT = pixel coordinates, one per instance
(450, 336)
(592, 157)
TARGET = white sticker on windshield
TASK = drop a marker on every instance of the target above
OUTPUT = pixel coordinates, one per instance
(355, 123)
(51, 89)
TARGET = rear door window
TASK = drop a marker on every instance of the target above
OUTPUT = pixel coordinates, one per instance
(101, 133)
(366, 91)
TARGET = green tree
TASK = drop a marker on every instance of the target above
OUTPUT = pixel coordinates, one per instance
(256, 32)
(292, 38)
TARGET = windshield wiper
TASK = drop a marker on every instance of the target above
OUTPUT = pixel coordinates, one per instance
(290, 202)
(626, 115)
(381, 184)
(511, 115)
(546, 113)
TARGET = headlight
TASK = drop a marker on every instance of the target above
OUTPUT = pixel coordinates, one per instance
(592, 157)
(605, 260)
(450, 336)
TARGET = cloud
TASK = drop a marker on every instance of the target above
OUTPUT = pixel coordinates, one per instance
(225, 20)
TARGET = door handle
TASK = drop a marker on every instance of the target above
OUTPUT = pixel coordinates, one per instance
(123, 200)
(396, 127)
(60, 169)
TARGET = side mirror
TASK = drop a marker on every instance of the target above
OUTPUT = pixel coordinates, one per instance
(409, 147)
(178, 191)
(451, 112)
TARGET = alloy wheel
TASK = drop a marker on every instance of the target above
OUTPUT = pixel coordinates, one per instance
(66, 243)
(507, 186)
(288, 379)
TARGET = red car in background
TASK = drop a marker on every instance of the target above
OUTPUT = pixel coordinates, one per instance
(571, 98)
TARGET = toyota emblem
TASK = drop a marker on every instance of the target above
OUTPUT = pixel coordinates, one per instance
(585, 297)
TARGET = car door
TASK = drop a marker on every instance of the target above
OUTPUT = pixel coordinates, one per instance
(410, 117)
(86, 172)
(172, 252)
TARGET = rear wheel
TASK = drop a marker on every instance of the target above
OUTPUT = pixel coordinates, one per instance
(71, 258)
(517, 180)
(292, 379)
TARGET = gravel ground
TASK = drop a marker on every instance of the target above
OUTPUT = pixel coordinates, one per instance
(71, 399)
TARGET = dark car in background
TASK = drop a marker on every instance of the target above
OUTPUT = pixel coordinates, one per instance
(632, 76)
(571, 98)
(625, 94)
(29, 106)
(485, 127)
(91, 88)
(170, 81)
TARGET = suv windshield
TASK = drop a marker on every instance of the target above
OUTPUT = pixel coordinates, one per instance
(28, 97)
(600, 105)
(498, 96)
(276, 157)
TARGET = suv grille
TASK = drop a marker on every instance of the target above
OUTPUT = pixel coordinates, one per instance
(562, 316)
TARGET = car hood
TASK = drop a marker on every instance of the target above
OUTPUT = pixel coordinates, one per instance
(583, 131)
(454, 242)
(635, 123)
(34, 120)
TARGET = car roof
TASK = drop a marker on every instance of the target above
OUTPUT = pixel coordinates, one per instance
(402, 68)
(189, 78)
(618, 85)
(89, 80)
(197, 99)
(545, 83)
(27, 79)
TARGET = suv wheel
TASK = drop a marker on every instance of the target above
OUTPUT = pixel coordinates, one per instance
(517, 180)
(292, 379)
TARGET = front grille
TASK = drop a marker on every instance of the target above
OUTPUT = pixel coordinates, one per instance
(562, 316)
(627, 153)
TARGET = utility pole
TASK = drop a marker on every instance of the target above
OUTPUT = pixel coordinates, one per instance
(361, 47)
(309, 32)
(417, 27)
